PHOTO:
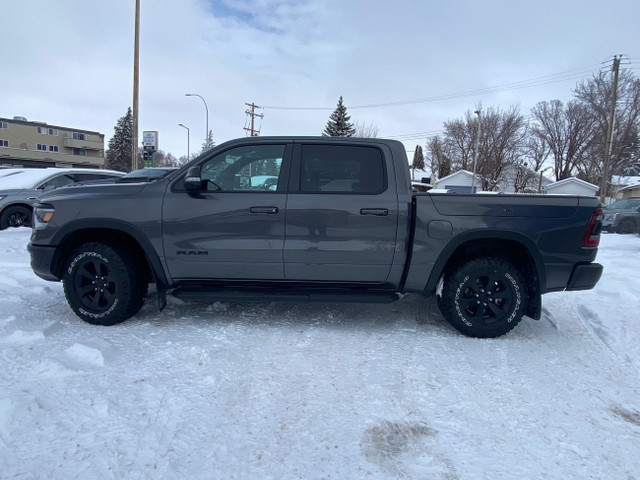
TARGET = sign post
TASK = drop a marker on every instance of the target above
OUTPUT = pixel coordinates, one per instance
(150, 146)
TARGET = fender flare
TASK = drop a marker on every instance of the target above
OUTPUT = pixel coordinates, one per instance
(73, 227)
(470, 236)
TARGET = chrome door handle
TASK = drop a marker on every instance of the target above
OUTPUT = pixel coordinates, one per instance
(268, 210)
(378, 212)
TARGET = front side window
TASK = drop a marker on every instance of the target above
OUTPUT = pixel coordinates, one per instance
(57, 182)
(42, 147)
(79, 136)
(4, 143)
(342, 169)
(53, 148)
(41, 130)
(253, 168)
(80, 151)
(53, 131)
(4, 125)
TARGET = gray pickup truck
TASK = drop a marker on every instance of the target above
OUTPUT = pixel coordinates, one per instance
(312, 218)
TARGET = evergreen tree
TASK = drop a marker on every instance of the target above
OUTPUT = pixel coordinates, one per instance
(418, 160)
(338, 124)
(120, 145)
(208, 144)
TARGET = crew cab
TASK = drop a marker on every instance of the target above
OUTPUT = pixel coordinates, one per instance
(337, 221)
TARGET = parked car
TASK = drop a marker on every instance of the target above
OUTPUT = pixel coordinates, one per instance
(622, 216)
(21, 187)
(147, 174)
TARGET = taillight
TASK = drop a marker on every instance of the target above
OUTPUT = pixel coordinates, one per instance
(592, 238)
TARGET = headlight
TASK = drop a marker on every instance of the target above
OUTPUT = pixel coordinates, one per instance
(42, 215)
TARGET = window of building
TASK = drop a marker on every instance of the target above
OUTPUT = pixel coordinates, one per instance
(53, 148)
(342, 169)
(79, 136)
(42, 147)
(42, 130)
(80, 151)
(4, 125)
(4, 143)
(53, 131)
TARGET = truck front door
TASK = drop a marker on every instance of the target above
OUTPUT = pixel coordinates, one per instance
(234, 227)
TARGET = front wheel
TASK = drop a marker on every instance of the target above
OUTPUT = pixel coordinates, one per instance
(484, 297)
(104, 284)
(15, 216)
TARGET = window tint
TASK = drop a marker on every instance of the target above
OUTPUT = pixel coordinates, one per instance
(342, 169)
(57, 182)
(249, 168)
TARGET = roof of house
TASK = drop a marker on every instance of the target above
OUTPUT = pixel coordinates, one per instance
(454, 174)
(572, 180)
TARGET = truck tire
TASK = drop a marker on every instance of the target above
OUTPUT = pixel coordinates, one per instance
(104, 284)
(15, 216)
(627, 226)
(484, 297)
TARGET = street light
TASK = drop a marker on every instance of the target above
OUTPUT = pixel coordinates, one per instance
(187, 128)
(206, 136)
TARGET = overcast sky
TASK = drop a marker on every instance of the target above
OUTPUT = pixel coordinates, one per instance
(70, 62)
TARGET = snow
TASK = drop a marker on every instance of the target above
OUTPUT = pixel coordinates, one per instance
(327, 391)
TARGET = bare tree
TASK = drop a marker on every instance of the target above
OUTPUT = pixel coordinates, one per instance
(596, 94)
(536, 151)
(503, 139)
(502, 143)
(365, 131)
(567, 132)
(439, 157)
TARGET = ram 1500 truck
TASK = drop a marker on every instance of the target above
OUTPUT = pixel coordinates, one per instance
(312, 218)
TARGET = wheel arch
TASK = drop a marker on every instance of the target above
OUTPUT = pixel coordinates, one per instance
(107, 231)
(513, 247)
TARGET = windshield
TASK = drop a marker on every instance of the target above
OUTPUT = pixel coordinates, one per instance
(626, 204)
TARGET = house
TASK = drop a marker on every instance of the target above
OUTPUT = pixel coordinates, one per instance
(459, 182)
(529, 181)
(571, 186)
(626, 187)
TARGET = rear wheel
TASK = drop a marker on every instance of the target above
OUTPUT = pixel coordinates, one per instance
(16, 216)
(627, 226)
(484, 297)
(104, 284)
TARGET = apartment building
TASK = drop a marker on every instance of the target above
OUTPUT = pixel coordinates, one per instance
(36, 144)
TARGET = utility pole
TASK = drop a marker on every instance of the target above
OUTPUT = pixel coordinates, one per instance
(612, 118)
(252, 113)
(475, 156)
(136, 68)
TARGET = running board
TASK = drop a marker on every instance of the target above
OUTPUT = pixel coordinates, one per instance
(228, 294)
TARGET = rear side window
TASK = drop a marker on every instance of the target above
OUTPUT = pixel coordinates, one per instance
(342, 169)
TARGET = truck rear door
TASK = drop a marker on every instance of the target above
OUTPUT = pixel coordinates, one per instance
(342, 214)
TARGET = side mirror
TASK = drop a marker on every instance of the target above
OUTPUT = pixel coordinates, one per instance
(192, 180)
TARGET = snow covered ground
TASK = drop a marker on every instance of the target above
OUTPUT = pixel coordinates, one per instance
(292, 391)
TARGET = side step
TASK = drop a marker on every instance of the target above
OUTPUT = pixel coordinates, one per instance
(257, 294)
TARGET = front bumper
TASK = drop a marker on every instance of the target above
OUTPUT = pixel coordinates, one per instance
(584, 276)
(42, 261)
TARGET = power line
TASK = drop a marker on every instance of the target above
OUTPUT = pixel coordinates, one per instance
(566, 75)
